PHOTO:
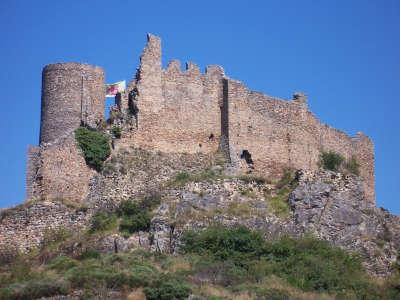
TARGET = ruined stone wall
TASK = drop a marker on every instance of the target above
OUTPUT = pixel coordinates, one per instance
(280, 134)
(179, 111)
(71, 93)
(364, 152)
(22, 228)
(57, 170)
(182, 112)
(64, 173)
(32, 172)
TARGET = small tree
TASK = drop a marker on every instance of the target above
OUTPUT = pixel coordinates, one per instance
(94, 145)
(331, 160)
(135, 217)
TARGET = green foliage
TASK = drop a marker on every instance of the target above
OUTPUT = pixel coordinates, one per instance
(335, 162)
(34, 289)
(62, 263)
(128, 208)
(280, 203)
(331, 160)
(116, 131)
(167, 289)
(135, 216)
(135, 223)
(238, 254)
(238, 243)
(96, 275)
(102, 221)
(90, 254)
(112, 271)
(233, 261)
(353, 166)
(182, 178)
(94, 145)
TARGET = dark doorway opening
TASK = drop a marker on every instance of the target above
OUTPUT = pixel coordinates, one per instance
(246, 155)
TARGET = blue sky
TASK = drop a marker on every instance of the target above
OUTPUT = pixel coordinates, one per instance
(344, 54)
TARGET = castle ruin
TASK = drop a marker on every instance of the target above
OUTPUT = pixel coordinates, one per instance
(175, 111)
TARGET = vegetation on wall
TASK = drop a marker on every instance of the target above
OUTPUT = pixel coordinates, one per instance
(94, 145)
(116, 131)
(131, 216)
(333, 161)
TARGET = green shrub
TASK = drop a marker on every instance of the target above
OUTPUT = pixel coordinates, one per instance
(237, 243)
(96, 275)
(34, 289)
(128, 208)
(135, 216)
(331, 160)
(116, 131)
(314, 265)
(221, 272)
(103, 221)
(353, 166)
(90, 254)
(181, 179)
(168, 289)
(94, 145)
(135, 223)
(62, 263)
(307, 263)
(141, 271)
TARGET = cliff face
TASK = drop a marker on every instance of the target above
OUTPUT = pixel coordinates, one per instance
(197, 190)
(332, 206)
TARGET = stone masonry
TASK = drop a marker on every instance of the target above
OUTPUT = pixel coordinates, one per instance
(177, 111)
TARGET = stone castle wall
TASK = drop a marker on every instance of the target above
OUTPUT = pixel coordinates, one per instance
(279, 133)
(183, 112)
(186, 111)
(71, 93)
(179, 111)
(57, 171)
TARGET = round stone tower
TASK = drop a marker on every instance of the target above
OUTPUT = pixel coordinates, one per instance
(72, 94)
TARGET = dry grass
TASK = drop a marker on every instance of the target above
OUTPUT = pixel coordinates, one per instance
(177, 264)
(137, 294)
(208, 290)
(274, 282)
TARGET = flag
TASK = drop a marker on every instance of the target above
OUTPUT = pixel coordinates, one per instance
(115, 88)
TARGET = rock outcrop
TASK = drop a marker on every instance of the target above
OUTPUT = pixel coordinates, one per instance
(196, 191)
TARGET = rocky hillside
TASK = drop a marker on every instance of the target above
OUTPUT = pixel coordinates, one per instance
(144, 207)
